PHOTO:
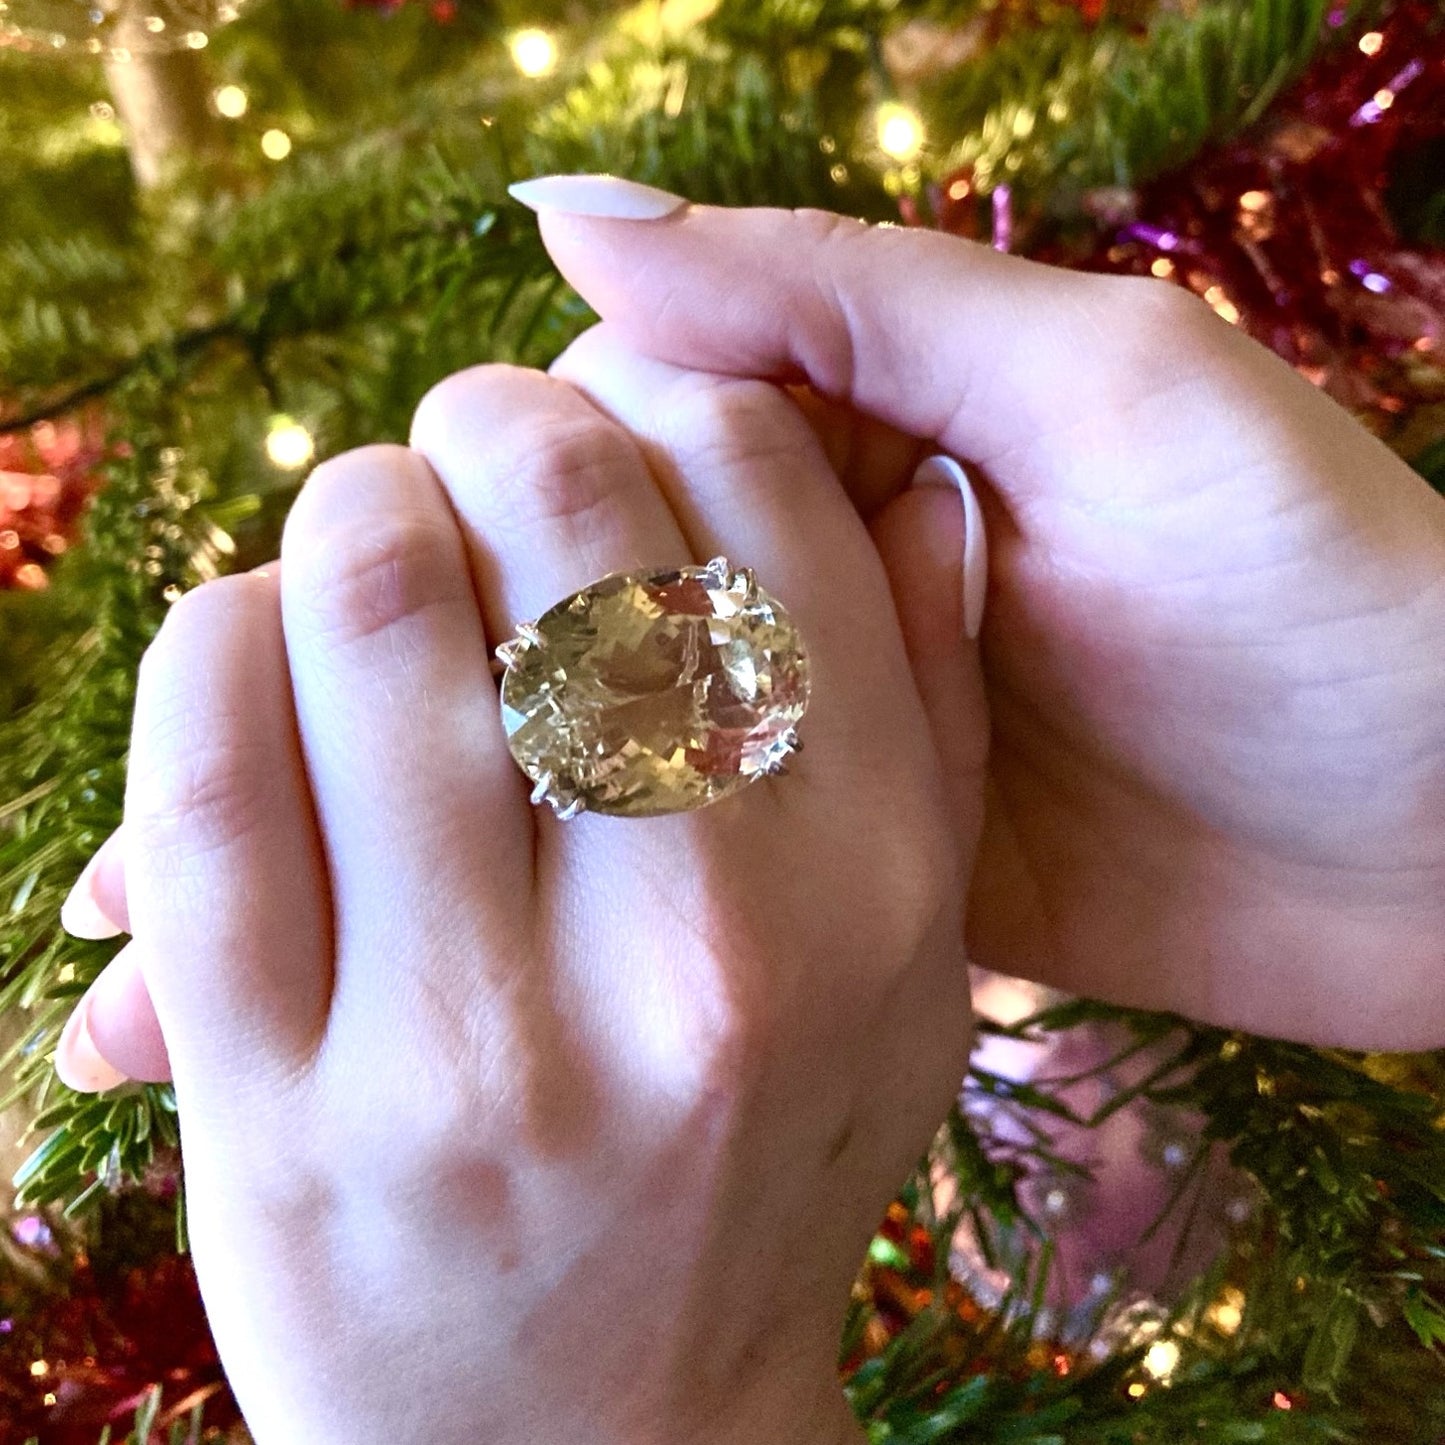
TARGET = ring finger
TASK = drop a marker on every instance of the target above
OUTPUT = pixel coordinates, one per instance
(746, 477)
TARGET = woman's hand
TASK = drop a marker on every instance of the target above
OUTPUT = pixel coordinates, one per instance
(499, 1128)
(1214, 664)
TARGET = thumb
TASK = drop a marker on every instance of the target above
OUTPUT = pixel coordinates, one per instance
(943, 338)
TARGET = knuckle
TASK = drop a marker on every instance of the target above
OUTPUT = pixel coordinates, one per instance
(827, 228)
(732, 1041)
(352, 585)
(745, 430)
(566, 475)
(199, 780)
(1152, 312)
(204, 790)
(448, 404)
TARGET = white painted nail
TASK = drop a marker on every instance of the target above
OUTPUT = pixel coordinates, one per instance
(941, 469)
(81, 915)
(610, 197)
(78, 1062)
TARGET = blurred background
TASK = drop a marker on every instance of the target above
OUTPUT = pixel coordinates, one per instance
(238, 237)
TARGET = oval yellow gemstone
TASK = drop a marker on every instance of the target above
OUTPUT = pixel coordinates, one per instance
(655, 692)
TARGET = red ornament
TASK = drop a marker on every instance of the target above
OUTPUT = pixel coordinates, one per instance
(47, 475)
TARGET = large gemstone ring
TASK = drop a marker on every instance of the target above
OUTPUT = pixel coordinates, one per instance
(654, 692)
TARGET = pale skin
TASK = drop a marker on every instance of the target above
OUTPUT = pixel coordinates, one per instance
(596, 1117)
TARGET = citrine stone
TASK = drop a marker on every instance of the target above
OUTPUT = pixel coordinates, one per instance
(655, 692)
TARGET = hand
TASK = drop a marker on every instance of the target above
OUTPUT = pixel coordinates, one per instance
(497, 1127)
(1213, 658)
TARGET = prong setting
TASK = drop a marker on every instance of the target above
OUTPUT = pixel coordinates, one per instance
(509, 653)
(566, 805)
(783, 748)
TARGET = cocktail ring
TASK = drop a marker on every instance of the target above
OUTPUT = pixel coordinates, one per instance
(654, 692)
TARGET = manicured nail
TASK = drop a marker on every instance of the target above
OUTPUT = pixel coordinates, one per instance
(81, 915)
(609, 196)
(945, 471)
(77, 1060)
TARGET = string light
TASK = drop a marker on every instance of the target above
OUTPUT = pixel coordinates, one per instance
(1226, 1314)
(39, 1368)
(275, 145)
(534, 53)
(288, 444)
(900, 131)
(1371, 41)
(232, 102)
(1161, 1359)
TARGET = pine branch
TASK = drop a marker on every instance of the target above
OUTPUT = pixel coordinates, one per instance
(1073, 107)
(62, 764)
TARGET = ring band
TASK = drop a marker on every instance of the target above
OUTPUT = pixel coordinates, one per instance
(654, 692)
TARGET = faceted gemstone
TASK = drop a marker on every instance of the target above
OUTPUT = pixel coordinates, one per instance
(655, 692)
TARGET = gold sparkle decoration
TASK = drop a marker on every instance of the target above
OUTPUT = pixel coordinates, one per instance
(116, 28)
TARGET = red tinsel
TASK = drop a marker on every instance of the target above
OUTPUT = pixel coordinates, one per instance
(1286, 230)
(84, 1339)
(46, 477)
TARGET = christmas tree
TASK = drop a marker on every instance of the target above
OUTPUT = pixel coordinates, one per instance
(237, 238)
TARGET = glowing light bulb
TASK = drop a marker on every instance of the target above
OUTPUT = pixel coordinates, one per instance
(39, 1368)
(534, 53)
(1161, 1358)
(275, 145)
(232, 102)
(1371, 42)
(289, 445)
(900, 131)
(1226, 1314)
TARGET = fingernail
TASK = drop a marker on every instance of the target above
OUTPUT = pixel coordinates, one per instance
(611, 197)
(944, 471)
(81, 915)
(77, 1060)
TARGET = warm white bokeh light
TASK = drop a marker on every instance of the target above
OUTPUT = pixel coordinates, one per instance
(275, 145)
(289, 445)
(900, 131)
(1161, 1358)
(534, 53)
(231, 101)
